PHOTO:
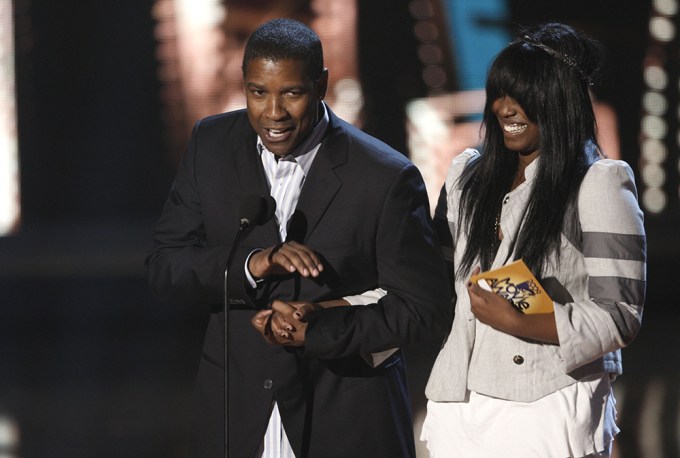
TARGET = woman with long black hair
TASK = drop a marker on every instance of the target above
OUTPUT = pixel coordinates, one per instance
(508, 384)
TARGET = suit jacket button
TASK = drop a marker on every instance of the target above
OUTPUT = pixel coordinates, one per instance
(268, 384)
(517, 359)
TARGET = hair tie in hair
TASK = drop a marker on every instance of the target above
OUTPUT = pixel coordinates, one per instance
(568, 60)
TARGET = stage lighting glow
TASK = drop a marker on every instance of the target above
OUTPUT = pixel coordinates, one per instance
(657, 141)
(434, 76)
(206, 13)
(430, 53)
(421, 9)
(654, 200)
(654, 127)
(667, 7)
(426, 31)
(9, 437)
(655, 103)
(653, 175)
(656, 77)
(439, 128)
(428, 121)
(654, 151)
(348, 98)
(662, 29)
(9, 150)
(200, 52)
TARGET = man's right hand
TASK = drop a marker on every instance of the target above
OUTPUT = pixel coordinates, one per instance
(285, 258)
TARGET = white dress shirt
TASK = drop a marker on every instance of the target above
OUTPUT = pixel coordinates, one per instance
(286, 176)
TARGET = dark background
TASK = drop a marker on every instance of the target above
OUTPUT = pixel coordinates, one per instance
(91, 364)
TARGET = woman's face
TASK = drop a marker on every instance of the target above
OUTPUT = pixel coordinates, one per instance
(520, 134)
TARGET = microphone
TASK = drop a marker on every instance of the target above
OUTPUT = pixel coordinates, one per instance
(256, 210)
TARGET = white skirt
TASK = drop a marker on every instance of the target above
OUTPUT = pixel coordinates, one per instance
(576, 421)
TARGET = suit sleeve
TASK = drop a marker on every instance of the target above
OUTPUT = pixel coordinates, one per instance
(614, 250)
(417, 306)
(182, 267)
(446, 216)
(444, 229)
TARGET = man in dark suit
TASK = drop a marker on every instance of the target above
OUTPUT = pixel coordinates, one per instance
(352, 216)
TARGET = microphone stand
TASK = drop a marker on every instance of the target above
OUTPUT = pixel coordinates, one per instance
(256, 210)
(242, 226)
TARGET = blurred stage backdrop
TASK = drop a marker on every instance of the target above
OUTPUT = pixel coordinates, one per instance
(97, 100)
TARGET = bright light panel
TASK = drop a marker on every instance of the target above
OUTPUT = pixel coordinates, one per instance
(9, 161)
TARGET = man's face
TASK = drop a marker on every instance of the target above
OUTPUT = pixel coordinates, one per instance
(282, 102)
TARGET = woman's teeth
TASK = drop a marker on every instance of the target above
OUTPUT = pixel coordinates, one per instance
(514, 128)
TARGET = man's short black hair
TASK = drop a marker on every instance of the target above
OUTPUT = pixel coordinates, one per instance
(285, 39)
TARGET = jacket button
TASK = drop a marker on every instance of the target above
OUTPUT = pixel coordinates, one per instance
(517, 359)
(268, 384)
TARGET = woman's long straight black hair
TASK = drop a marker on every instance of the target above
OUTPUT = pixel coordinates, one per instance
(548, 71)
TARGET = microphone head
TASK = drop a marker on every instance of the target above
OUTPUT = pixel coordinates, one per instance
(256, 210)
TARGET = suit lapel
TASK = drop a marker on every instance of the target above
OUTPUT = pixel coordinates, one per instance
(321, 184)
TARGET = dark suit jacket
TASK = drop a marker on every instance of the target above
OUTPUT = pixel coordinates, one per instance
(364, 209)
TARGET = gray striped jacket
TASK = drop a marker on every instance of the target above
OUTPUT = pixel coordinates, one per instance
(598, 311)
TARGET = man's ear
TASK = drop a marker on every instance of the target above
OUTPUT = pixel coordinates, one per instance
(322, 84)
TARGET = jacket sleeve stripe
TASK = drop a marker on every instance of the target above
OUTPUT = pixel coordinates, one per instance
(617, 289)
(615, 246)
